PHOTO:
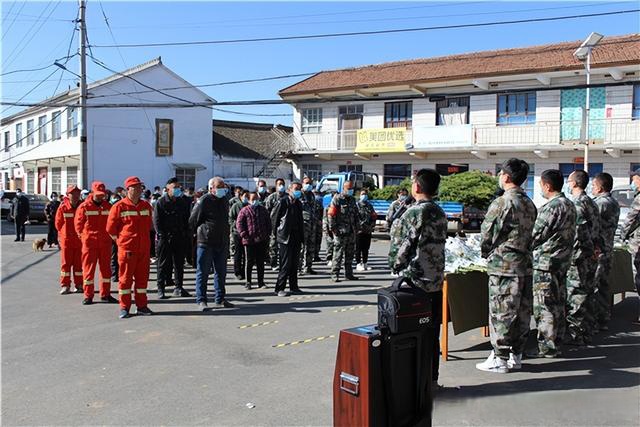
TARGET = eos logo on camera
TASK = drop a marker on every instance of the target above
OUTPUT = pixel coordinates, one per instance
(423, 320)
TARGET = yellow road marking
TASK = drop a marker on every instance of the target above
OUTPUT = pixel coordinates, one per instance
(308, 340)
(355, 307)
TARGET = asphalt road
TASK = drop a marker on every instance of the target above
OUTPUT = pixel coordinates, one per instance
(68, 364)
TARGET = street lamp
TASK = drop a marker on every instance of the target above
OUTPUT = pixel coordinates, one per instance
(583, 53)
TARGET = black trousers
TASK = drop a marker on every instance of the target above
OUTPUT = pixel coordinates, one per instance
(52, 233)
(436, 307)
(114, 262)
(238, 256)
(170, 255)
(20, 227)
(363, 243)
(289, 255)
(255, 255)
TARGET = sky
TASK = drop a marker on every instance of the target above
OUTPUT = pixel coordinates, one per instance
(31, 41)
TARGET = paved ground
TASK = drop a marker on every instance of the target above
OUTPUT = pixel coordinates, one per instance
(67, 364)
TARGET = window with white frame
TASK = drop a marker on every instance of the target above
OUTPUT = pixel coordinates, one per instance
(42, 130)
(72, 122)
(186, 176)
(56, 180)
(7, 140)
(30, 132)
(18, 134)
(29, 184)
(246, 170)
(72, 175)
(312, 120)
(56, 122)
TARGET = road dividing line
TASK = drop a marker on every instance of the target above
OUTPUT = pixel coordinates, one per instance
(254, 325)
(303, 297)
(355, 307)
(307, 341)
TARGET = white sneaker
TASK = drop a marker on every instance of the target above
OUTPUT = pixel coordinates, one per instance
(515, 361)
(329, 264)
(360, 267)
(366, 267)
(64, 290)
(78, 289)
(493, 364)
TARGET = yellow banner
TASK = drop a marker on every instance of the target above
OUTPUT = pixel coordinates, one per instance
(387, 140)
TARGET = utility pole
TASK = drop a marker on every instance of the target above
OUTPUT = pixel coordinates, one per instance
(84, 175)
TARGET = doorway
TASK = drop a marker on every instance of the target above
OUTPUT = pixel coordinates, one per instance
(42, 181)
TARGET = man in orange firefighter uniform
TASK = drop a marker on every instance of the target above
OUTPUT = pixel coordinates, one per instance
(91, 225)
(129, 223)
(70, 246)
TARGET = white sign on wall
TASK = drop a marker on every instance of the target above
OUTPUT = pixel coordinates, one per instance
(429, 137)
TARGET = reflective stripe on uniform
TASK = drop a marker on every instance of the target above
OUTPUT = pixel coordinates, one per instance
(144, 212)
(124, 291)
(90, 213)
(77, 273)
(141, 291)
(106, 280)
(104, 212)
(88, 282)
(128, 213)
(113, 236)
(67, 215)
(65, 274)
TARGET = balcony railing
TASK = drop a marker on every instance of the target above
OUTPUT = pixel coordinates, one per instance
(546, 134)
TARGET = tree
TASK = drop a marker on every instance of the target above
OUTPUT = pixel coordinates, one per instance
(473, 188)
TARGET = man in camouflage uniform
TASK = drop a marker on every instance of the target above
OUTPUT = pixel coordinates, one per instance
(506, 243)
(237, 191)
(366, 224)
(307, 251)
(580, 284)
(631, 228)
(398, 207)
(342, 218)
(609, 212)
(328, 237)
(417, 249)
(553, 237)
(239, 253)
(319, 215)
(270, 203)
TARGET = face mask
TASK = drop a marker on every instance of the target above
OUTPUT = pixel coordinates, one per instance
(221, 192)
(177, 192)
(297, 194)
(542, 195)
(245, 201)
(566, 189)
(633, 186)
(307, 187)
(113, 200)
(19, 193)
(281, 188)
(350, 192)
(364, 198)
(402, 198)
(255, 203)
(262, 190)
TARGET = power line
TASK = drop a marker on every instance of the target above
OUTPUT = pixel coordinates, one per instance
(73, 34)
(250, 114)
(363, 33)
(32, 89)
(6, 31)
(19, 141)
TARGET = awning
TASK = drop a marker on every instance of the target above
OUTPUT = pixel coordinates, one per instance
(196, 166)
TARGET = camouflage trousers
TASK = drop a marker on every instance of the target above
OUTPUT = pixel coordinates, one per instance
(602, 298)
(549, 308)
(232, 245)
(308, 248)
(329, 243)
(318, 241)
(273, 251)
(509, 313)
(344, 247)
(580, 288)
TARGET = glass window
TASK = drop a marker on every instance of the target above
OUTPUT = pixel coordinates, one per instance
(636, 102)
(7, 140)
(56, 179)
(18, 134)
(312, 120)
(187, 177)
(30, 132)
(42, 129)
(72, 175)
(398, 114)
(517, 108)
(567, 168)
(246, 170)
(350, 168)
(313, 171)
(395, 173)
(56, 123)
(72, 122)
(452, 111)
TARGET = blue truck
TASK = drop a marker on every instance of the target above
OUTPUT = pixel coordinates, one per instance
(331, 183)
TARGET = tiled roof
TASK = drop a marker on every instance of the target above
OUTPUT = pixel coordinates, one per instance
(244, 139)
(618, 50)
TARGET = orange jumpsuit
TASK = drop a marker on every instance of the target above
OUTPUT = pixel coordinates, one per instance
(131, 223)
(91, 225)
(70, 246)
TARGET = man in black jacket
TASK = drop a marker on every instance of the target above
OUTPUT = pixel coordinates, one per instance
(288, 224)
(210, 219)
(20, 214)
(171, 222)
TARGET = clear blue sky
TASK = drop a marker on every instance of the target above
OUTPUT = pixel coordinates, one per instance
(29, 42)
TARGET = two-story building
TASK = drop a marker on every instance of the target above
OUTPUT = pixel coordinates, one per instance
(41, 145)
(473, 111)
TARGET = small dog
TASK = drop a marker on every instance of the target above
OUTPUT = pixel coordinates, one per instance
(38, 245)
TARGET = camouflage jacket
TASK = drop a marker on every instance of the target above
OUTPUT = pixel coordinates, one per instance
(308, 201)
(366, 217)
(554, 234)
(325, 222)
(417, 245)
(234, 211)
(319, 211)
(506, 234)
(273, 199)
(631, 227)
(342, 215)
(397, 209)
(587, 233)
(609, 212)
